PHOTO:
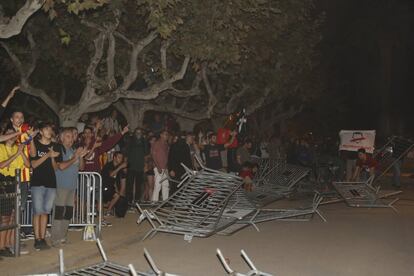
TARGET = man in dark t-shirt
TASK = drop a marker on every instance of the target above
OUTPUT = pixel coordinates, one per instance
(212, 152)
(43, 182)
(114, 180)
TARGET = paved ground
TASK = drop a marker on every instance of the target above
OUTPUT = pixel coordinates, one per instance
(352, 242)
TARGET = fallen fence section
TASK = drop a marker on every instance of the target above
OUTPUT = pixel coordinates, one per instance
(279, 182)
(196, 208)
(391, 153)
(362, 194)
(254, 216)
(109, 268)
(230, 271)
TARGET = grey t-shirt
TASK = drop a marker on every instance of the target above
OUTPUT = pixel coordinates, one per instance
(68, 178)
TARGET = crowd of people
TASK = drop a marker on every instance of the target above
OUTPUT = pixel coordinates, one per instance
(142, 165)
(138, 165)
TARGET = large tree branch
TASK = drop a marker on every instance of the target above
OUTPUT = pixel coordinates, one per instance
(194, 91)
(154, 90)
(92, 81)
(163, 52)
(13, 26)
(234, 101)
(212, 100)
(26, 73)
(110, 62)
(133, 67)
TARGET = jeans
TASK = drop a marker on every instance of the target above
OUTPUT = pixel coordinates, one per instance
(161, 183)
(42, 199)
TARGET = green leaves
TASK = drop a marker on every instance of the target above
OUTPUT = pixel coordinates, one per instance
(162, 15)
(78, 6)
(64, 37)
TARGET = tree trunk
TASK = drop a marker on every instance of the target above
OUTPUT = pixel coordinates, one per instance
(186, 124)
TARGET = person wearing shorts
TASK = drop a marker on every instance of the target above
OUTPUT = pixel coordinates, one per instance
(43, 185)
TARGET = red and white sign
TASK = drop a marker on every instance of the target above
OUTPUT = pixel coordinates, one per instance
(353, 140)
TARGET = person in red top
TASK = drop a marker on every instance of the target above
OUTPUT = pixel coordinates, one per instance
(246, 173)
(96, 148)
(365, 164)
(159, 153)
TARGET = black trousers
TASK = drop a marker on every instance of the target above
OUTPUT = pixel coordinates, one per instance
(134, 178)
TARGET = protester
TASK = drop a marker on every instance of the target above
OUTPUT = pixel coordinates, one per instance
(12, 157)
(96, 147)
(365, 165)
(114, 182)
(212, 151)
(136, 150)
(243, 152)
(246, 173)
(149, 172)
(69, 162)
(26, 135)
(159, 153)
(43, 185)
(180, 153)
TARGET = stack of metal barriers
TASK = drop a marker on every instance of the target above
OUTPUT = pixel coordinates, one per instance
(210, 201)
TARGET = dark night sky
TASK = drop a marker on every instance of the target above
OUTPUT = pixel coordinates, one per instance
(368, 52)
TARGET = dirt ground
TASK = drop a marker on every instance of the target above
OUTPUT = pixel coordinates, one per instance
(354, 241)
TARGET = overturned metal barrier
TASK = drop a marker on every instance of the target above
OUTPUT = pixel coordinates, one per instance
(247, 217)
(391, 153)
(196, 209)
(279, 182)
(230, 271)
(107, 267)
(362, 194)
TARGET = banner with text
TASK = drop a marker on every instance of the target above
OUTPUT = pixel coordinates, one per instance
(353, 140)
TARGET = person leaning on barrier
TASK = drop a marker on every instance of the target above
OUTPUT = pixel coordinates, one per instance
(12, 157)
(69, 162)
(365, 165)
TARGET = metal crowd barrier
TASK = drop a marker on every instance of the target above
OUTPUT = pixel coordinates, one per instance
(278, 182)
(196, 208)
(9, 212)
(251, 216)
(362, 194)
(230, 271)
(87, 209)
(391, 153)
(107, 267)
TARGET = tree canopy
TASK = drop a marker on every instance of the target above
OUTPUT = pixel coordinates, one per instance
(198, 59)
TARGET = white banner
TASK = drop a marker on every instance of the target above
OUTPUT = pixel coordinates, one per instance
(353, 140)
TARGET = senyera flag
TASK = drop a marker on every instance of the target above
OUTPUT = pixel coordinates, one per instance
(353, 140)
